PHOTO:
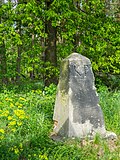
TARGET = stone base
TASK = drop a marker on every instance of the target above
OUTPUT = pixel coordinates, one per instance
(109, 135)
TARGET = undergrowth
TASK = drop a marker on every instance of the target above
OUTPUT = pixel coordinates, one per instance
(26, 123)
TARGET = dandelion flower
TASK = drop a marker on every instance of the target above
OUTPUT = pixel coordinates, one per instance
(19, 123)
(8, 99)
(23, 99)
(19, 106)
(2, 131)
(21, 116)
(19, 112)
(13, 129)
(12, 123)
(9, 118)
(5, 113)
(11, 105)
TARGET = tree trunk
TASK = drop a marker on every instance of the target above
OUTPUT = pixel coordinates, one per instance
(50, 52)
(32, 75)
(3, 63)
(18, 61)
(76, 37)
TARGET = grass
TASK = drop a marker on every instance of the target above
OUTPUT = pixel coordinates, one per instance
(26, 123)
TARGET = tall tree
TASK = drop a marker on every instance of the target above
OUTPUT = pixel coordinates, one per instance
(19, 51)
(3, 63)
(32, 75)
(50, 52)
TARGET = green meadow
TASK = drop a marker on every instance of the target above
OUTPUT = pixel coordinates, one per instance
(26, 123)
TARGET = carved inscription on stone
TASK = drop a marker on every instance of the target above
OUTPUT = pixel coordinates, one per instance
(77, 112)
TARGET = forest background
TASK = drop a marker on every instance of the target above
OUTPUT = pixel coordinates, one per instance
(35, 36)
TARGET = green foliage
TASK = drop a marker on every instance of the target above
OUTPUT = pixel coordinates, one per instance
(111, 108)
(83, 26)
(26, 123)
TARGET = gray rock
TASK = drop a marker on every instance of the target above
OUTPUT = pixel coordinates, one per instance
(77, 112)
(110, 135)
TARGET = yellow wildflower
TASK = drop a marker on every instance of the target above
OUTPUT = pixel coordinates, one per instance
(5, 113)
(20, 105)
(9, 118)
(22, 117)
(23, 99)
(19, 123)
(11, 105)
(13, 129)
(19, 112)
(12, 123)
(27, 117)
(8, 99)
(2, 131)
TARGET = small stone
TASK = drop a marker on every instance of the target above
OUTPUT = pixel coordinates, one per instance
(110, 135)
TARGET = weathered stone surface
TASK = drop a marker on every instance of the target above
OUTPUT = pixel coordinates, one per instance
(77, 112)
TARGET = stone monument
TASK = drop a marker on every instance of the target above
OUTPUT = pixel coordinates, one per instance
(77, 112)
